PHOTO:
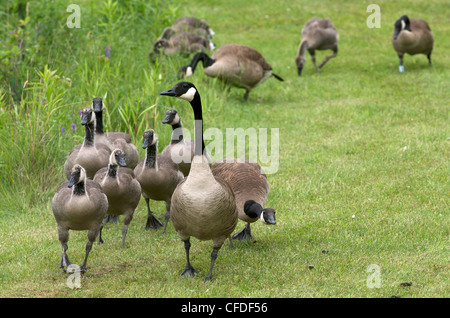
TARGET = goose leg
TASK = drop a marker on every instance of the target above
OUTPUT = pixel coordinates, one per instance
(100, 240)
(429, 59)
(245, 234)
(63, 236)
(92, 234)
(327, 58)
(152, 221)
(214, 254)
(126, 222)
(188, 269)
(400, 67)
(166, 216)
(247, 91)
(231, 242)
(313, 58)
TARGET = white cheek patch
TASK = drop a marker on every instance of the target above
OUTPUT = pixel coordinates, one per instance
(155, 140)
(189, 95)
(176, 120)
(403, 25)
(188, 71)
(261, 217)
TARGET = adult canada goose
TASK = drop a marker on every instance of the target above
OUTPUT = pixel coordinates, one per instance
(79, 204)
(193, 25)
(91, 156)
(250, 187)
(158, 177)
(183, 43)
(121, 188)
(203, 205)
(114, 140)
(317, 34)
(180, 151)
(235, 64)
(412, 37)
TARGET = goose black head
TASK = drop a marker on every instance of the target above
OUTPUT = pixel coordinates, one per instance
(268, 216)
(183, 90)
(77, 175)
(401, 24)
(118, 158)
(97, 104)
(171, 117)
(254, 209)
(87, 116)
(150, 138)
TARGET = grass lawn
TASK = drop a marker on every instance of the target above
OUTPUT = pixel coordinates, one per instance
(363, 158)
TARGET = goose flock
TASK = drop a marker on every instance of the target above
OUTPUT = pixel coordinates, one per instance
(204, 199)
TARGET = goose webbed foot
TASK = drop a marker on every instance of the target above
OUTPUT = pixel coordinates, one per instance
(244, 235)
(189, 271)
(65, 262)
(153, 222)
(111, 219)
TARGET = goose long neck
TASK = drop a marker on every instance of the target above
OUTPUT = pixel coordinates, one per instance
(89, 134)
(196, 104)
(302, 48)
(177, 133)
(112, 171)
(150, 156)
(99, 122)
(204, 58)
(79, 188)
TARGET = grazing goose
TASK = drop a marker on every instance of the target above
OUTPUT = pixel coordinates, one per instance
(121, 188)
(250, 187)
(158, 177)
(91, 156)
(412, 37)
(317, 34)
(114, 139)
(184, 43)
(79, 204)
(180, 151)
(235, 64)
(193, 25)
(203, 206)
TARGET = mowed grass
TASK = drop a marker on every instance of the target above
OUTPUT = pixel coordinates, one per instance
(362, 178)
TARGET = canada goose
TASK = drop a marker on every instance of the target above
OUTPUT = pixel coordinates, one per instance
(92, 156)
(158, 177)
(121, 188)
(203, 205)
(191, 24)
(250, 187)
(235, 64)
(412, 37)
(179, 150)
(183, 43)
(79, 204)
(114, 140)
(317, 34)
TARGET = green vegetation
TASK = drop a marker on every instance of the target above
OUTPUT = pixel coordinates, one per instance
(363, 175)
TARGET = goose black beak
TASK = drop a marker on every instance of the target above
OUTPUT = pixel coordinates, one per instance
(169, 92)
(270, 219)
(167, 119)
(396, 34)
(299, 70)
